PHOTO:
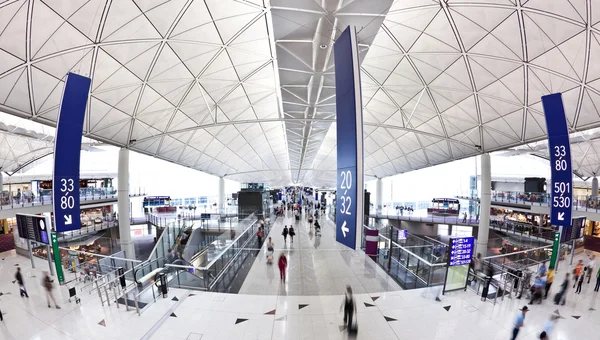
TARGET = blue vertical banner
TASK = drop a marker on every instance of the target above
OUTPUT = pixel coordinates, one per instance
(67, 151)
(559, 148)
(316, 195)
(349, 128)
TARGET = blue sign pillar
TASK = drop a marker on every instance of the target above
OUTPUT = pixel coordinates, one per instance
(349, 121)
(560, 160)
(67, 151)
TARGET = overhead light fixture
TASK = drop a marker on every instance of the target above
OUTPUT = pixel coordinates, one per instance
(323, 46)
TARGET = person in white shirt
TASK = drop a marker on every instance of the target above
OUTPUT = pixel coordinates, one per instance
(590, 268)
(549, 325)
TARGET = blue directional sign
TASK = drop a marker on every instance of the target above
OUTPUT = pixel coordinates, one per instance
(461, 250)
(350, 172)
(560, 160)
(67, 150)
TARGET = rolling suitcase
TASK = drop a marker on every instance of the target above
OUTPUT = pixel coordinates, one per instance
(353, 327)
(558, 297)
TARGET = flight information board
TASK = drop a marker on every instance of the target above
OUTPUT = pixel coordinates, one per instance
(33, 227)
(461, 250)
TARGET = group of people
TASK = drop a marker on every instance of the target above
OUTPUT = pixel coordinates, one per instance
(520, 322)
(581, 272)
(543, 281)
(400, 209)
(47, 283)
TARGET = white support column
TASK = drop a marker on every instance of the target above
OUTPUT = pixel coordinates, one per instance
(486, 195)
(221, 195)
(379, 197)
(123, 205)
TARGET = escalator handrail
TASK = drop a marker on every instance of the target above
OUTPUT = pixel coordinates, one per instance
(143, 265)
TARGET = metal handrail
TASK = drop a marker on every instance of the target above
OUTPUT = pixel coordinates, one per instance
(143, 265)
(434, 240)
(518, 252)
(230, 263)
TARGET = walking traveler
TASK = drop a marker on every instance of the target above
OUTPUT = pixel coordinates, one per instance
(561, 297)
(478, 266)
(47, 282)
(579, 284)
(549, 325)
(292, 233)
(464, 217)
(285, 233)
(270, 249)
(282, 266)
(537, 289)
(590, 268)
(577, 272)
(259, 235)
(519, 322)
(597, 281)
(19, 279)
(542, 271)
(549, 280)
(349, 307)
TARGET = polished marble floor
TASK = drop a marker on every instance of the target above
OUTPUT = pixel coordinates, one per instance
(409, 315)
(317, 265)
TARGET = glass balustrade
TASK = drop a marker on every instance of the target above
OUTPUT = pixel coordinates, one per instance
(579, 202)
(414, 263)
(26, 198)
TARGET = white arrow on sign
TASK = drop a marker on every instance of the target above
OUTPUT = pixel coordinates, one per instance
(68, 219)
(345, 229)
(561, 216)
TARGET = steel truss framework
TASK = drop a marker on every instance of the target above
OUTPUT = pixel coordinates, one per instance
(245, 89)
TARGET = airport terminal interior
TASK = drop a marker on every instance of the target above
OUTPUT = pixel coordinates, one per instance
(299, 169)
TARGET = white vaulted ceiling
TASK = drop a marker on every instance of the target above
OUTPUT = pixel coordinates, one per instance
(243, 89)
(190, 82)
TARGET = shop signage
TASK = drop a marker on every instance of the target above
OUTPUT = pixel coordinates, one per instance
(461, 250)
(560, 160)
(349, 127)
(57, 261)
(402, 234)
(67, 151)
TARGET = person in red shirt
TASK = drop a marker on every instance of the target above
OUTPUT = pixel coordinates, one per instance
(282, 266)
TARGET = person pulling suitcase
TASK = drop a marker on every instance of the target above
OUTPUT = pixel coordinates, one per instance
(560, 297)
(349, 311)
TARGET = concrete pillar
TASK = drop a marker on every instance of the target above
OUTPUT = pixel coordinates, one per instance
(379, 197)
(221, 204)
(123, 205)
(595, 187)
(486, 196)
